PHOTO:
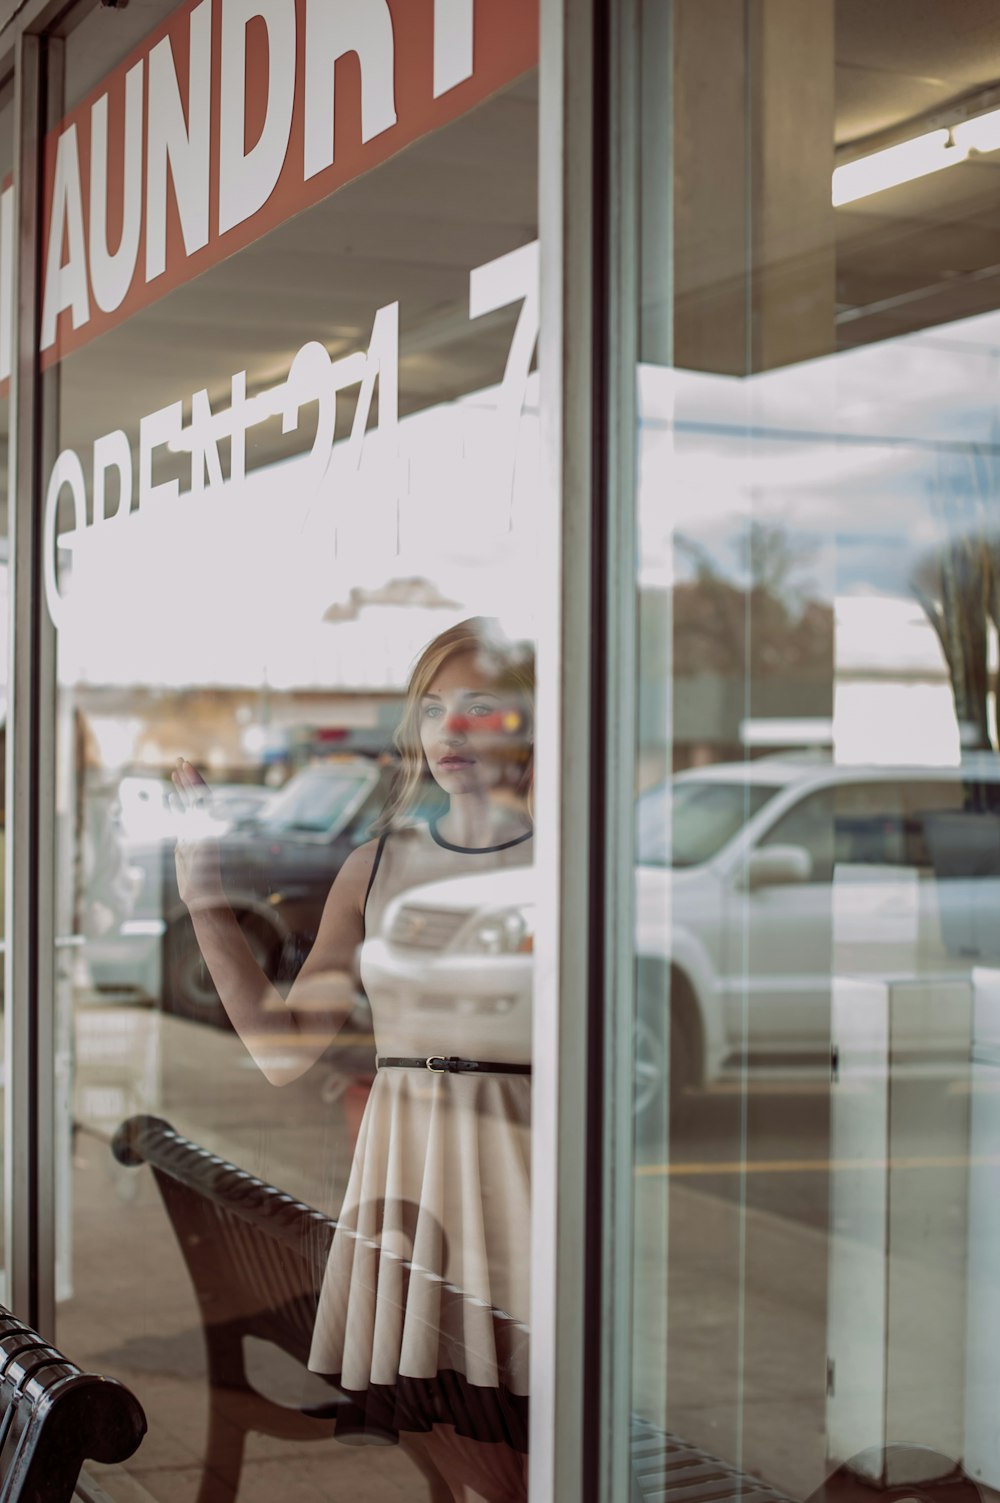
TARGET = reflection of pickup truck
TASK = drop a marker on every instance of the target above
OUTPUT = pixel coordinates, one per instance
(756, 883)
(278, 867)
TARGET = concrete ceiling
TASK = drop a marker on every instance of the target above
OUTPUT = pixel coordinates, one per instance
(926, 252)
(897, 59)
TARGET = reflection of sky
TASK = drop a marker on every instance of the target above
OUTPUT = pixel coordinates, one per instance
(873, 450)
(865, 459)
(866, 463)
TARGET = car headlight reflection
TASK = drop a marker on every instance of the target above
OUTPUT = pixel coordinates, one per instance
(504, 933)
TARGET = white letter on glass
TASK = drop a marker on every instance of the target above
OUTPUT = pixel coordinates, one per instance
(310, 379)
(161, 427)
(247, 179)
(182, 144)
(65, 285)
(112, 452)
(381, 364)
(111, 275)
(453, 27)
(333, 28)
(67, 470)
(509, 279)
(204, 444)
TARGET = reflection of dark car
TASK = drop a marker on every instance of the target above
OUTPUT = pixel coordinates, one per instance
(278, 867)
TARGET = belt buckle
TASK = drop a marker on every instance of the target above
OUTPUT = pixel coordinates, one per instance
(441, 1069)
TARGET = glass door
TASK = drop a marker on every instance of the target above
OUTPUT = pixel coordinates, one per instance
(288, 344)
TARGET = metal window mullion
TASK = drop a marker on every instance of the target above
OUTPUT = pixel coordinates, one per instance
(29, 1182)
(620, 689)
(562, 1391)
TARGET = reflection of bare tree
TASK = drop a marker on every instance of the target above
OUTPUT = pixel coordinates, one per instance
(958, 585)
(767, 625)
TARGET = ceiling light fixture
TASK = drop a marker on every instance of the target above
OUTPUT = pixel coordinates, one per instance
(919, 157)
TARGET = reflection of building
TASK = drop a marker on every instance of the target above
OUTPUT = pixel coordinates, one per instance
(236, 731)
(734, 661)
(710, 715)
(230, 731)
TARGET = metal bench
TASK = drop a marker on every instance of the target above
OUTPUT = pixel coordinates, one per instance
(256, 1258)
(54, 1417)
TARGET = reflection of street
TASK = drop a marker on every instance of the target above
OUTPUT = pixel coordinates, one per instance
(743, 1203)
(768, 1143)
(203, 1080)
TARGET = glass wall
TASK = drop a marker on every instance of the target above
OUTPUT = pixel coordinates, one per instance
(818, 775)
(288, 328)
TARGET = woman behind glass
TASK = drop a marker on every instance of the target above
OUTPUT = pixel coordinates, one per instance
(423, 1312)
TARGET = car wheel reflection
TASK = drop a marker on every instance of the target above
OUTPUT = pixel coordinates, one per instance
(189, 991)
(666, 1071)
(650, 1079)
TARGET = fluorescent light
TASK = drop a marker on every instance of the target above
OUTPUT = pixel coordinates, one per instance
(981, 134)
(918, 157)
(897, 164)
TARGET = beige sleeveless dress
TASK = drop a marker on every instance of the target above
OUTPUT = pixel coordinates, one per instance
(423, 1312)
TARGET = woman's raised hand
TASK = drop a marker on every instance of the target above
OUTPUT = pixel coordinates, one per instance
(199, 871)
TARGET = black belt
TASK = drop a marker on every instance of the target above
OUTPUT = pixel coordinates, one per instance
(439, 1064)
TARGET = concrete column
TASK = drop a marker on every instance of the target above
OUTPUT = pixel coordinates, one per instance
(793, 280)
(711, 308)
(754, 257)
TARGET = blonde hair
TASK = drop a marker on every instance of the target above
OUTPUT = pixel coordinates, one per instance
(512, 667)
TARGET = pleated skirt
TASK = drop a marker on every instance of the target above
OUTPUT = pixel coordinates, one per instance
(423, 1311)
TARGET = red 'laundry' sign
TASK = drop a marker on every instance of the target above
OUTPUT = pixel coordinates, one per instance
(234, 115)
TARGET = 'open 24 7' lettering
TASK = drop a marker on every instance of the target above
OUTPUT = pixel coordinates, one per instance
(312, 377)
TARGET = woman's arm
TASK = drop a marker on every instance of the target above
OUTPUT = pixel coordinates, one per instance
(284, 1035)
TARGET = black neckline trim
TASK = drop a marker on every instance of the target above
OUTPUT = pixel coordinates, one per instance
(475, 850)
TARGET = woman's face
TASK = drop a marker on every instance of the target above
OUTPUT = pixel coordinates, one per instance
(471, 730)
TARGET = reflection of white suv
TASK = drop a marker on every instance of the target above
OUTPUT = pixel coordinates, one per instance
(466, 942)
(757, 882)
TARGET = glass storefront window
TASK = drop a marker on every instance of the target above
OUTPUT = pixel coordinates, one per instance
(292, 564)
(818, 764)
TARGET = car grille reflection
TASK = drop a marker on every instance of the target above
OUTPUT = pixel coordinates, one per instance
(426, 928)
